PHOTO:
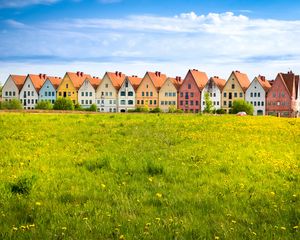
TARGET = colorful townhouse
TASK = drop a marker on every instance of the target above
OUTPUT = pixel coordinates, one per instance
(126, 94)
(48, 90)
(256, 94)
(189, 99)
(214, 88)
(234, 89)
(168, 94)
(107, 92)
(12, 87)
(87, 92)
(282, 97)
(29, 94)
(147, 94)
(70, 85)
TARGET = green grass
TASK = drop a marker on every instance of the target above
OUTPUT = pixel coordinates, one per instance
(148, 176)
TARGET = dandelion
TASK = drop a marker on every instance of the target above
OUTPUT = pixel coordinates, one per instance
(294, 195)
(158, 195)
(148, 224)
(64, 228)
(233, 221)
(32, 225)
(15, 228)
(103, 185)
(150, 179)
(38, 203)
(283, 228)
(85, 219)
(272, 193)
(295, 227)
(122, 237)
(157, 219)
(217, 237)
(254, 233)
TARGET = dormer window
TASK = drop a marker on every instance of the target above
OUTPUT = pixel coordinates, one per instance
(67, 85)
(126, 84)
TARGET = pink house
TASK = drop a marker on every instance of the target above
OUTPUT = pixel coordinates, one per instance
(282, 96)
(189, 98)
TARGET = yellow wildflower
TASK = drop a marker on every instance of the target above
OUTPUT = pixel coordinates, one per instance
(64, 228)
(150, 179)
(233, 221)
(38, 203)
(32, 225)
(15, 228)
(295, 227)
(103, 185)
(157, 219)
(283, 228)
(272, 193)
(216, 237)
(85, 218)
(158, 195)
(122, 237)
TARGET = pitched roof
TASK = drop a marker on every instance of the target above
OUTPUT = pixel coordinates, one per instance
(95, 81)
(117, 78)
(242, 79)
(176, 82)
(37, 80)
(263, 82)
(289, 79)
(200, 78)
(135, 81)
(157, 78)
(55, 81)
(219, 82)
(78, 78)
(19, 80)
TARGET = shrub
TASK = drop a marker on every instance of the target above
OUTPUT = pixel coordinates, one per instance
(220, 111)
(13, 104)
(93, 108)
(46, 105)
(63, 104)
(78, 107)
(156, 110)
(172, 109)
(242, 106)
(179, 111)
(131, 110)
(142, 109)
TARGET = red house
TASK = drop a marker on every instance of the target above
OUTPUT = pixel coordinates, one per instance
(189, 98)
(282, 96)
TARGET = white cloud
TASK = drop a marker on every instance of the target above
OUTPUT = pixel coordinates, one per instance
(216, 43)
(23, 3)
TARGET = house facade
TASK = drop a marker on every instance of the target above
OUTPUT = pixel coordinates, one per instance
(147, 94)
(168, 94)
(70, 85)
(214, 88)
(107, 92)
(282, 96)
(48, 90)
(189, 99)
(12, 87)
(234, 89)
(29, 94)
(126, 94)
(256, 94)
(87, 92)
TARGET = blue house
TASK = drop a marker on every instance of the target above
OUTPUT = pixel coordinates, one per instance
(48, 90)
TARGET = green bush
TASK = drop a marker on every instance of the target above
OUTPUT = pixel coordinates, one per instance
(13, 104)
(63, 104)
(142, 109)
(93, 108)
(78, 107)
(242, 106)
(156, 110)
(45, 105)
(172, 109)
(220, 111)
(179, 111)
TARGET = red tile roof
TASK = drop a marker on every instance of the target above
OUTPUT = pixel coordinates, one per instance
(19, 80)
(37, 80)
(78, 78)
(242, 79)
(117, 78)
(157, 78)
(95, 81)
(177, 82)
(219, 82)
(135, 81)
(55, 81)
(289, 79)
(200, 78)
(264, 83)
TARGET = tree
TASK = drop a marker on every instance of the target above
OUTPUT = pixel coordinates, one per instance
(45, 105)
(242, 106)
(208, 103)
(63, 104)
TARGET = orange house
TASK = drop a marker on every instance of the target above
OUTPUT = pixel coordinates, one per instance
(147, 94)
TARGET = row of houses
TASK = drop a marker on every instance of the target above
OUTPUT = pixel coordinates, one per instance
(116, 92)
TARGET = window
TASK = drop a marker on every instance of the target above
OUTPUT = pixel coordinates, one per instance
(235, 94)
(166, 94)
(192, 94)
(126, 84)
(150, 102)
(123, 102)
(32, 101)
(189, 86)
(232, 86)
(147, 86)
(251, 94)
(110, 94)
(110, 101)
(197, 103)
(186, 95)
(86, 94)
(82, 101)
(123, 93)
(32, 93)
(258, 103)
(106, 94)
(154, 102)
(28, 93)
(59, 94)
(214, 94)
(174, 94)
(28, 85)
(181, 94)
(192, 103)
(162, 102)
(46, 94)
(98, 102)
(143, 94)
(82, 94)
(106, 86)
(282, 94)
(91, 94)
(218, 103)
(142, 102)
(69, 94)
(181, 103)
(224, 103)
(254, 103)
(90, 101)
(53, 93)
(67, 85)
(186, 103)
(86, 101)
(147, 94)
(225, 95)
(138, 101)
(230, 103)
(6, 93)
(254, 94)
(151, 94)
(241, 94)
(14, 93)
(258, 94)
(9, 93)
(130, 102)
(203, 103)
(274, 95)
(130, 94)
(262, 103)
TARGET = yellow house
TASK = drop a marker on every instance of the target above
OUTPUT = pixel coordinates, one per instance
(234, 89)
(148, 90)
(70, 85)
(168, 94)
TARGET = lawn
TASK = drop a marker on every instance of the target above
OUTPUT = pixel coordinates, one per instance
(148, 176)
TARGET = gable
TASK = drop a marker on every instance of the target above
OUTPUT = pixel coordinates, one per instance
(86, 85)
(279, 86)
(9, 85)
(102, 85)
(146, 81)
(168, 85)
(26, 83)
(47, 83)
(66, 80)
(232, 80)
(189, 79)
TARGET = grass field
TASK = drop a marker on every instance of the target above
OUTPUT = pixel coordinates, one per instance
(144, 176)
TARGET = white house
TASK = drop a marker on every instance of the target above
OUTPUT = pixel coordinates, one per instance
(87, 92)
(29, 94)
(107, 92)
(214, 88)
(256, 94)
(126, 94)
(12, 86)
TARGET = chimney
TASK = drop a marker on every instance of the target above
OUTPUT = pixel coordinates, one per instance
(216, 77)
(81, 74)
(159, 74)
(116, 73)
(237, 71)
(44, 76)
(120, 74)
(263, 78)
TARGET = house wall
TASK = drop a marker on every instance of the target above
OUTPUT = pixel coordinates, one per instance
(28, 95)
(214, 93)
(146, 94)
(10, 90)
(189, 99)
(106, 96)
(230, 93)
(47, 92)
(86, 94)
(67, 90)
(126, 97)
(256, 95)
(168, 96)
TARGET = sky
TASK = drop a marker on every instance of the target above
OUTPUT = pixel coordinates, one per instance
(135, 36)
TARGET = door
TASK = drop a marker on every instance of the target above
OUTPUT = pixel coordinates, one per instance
(65, 94)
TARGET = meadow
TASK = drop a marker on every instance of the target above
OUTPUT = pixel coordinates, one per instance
(148, 176)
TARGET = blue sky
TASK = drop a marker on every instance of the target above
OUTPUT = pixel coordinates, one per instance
(216, 36)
